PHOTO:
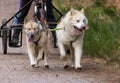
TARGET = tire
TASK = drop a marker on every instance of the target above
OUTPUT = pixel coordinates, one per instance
(0, 33)
(4, 37)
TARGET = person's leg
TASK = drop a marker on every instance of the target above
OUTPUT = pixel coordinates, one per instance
(51, 18)
(19, 19)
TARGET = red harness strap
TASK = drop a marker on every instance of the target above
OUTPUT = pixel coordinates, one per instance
(36, 42)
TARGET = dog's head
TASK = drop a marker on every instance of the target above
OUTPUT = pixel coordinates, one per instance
(77, 21)
(32, 29)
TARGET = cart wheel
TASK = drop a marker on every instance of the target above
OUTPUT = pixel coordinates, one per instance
(4, 37)
(0, 33)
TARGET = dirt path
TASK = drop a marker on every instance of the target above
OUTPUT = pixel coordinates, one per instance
(15, 68)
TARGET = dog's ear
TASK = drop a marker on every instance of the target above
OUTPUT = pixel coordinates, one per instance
(72, 11)
(25, 20)
(35, 19)
(82, 10)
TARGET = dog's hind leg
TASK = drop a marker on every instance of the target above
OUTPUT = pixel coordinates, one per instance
(40, 55)
(72, 57)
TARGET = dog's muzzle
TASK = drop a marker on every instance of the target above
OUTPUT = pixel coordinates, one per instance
(31, 38)
(86, 27)
(79, 30)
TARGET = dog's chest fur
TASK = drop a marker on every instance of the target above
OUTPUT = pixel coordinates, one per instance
(40, 41)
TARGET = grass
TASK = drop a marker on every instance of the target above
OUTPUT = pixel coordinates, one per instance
(103, 38)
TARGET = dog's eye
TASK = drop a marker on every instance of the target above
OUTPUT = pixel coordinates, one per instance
(77, 20)
(34, 28)
(84, 21)
(29, 29)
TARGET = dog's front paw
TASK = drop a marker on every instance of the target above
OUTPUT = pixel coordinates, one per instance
(47, 66)
(66, 66)
(78, 67)
(34, 66)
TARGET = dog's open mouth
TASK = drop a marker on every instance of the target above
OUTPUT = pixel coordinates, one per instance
(77, 29)
(86, 27)
(31, 39)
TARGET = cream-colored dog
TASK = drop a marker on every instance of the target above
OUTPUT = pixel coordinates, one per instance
(37, 42)
(71, 36)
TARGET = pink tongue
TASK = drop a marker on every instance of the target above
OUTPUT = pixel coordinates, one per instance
(86, 27)
(78, 31)
(31, 39)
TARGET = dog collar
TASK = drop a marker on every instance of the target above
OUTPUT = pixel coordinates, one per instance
(36, 42)
(74, 40)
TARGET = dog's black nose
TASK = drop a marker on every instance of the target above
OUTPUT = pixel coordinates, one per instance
(32, 35)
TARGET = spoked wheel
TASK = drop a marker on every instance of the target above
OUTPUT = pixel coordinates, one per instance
(4, 37)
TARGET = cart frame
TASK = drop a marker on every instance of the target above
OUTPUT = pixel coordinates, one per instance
(6, 32)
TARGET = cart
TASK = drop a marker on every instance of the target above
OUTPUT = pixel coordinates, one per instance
(40, 11)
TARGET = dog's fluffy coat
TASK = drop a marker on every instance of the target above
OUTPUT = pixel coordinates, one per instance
(37, 42)
(71, 36)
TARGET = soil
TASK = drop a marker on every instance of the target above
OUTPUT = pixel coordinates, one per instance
(15, 68)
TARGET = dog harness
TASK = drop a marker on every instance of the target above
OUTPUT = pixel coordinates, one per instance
(36, 42)
(74, 39)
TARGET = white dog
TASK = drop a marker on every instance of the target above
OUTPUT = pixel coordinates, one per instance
(71, 36)
(37, 42)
